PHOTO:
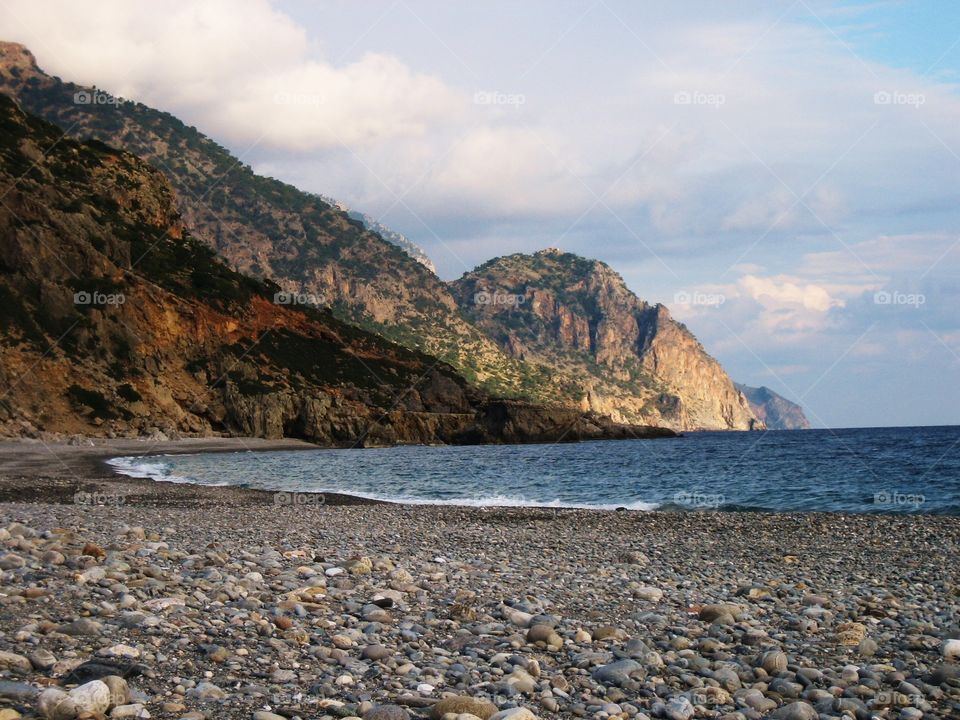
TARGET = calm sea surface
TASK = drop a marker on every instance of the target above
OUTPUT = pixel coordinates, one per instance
(900, 470)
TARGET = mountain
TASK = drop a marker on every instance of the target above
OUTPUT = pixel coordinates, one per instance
(316, 252)
(268, 229)
(776, 411)
(391, 236)
(116, 320)
(631, 358)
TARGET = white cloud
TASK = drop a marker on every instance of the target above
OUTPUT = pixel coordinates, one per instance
(780, 292)
(243, 71)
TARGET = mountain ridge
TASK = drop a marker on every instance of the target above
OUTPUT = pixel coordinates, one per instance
(117, 322)
(313, 250)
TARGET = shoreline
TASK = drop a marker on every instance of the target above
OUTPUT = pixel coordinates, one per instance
(335, 610)
(70, 468)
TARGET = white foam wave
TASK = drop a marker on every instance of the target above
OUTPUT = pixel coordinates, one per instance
(152, 468)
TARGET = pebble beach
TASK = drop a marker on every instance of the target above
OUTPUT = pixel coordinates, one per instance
(127, 598)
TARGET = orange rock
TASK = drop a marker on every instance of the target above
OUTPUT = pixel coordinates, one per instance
(94, 550)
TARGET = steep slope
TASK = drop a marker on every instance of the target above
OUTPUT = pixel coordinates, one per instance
(115, 320)
(776, 411)
(317, 253)
(391, 236)
(631, 359)
(269, 229)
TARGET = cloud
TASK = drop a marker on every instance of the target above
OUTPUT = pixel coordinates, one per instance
(243, 71)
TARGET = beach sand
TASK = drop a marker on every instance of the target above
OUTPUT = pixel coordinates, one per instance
(219, 602)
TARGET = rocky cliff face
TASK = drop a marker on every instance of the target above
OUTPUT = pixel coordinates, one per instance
(316, 253)
(776, 411)
(115, 320)
(268, 229)
(630, 359)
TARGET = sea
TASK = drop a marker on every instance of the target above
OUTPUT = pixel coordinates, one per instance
(863, 470)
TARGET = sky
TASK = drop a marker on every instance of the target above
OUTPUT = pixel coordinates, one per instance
(784, 176)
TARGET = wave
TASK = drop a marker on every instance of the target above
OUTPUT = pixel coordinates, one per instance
(153, 468)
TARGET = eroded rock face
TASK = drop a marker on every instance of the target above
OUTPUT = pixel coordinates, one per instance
(631, 360)
(776, 412)
(117, 322)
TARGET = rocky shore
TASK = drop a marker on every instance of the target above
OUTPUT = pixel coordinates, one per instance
(126, 598)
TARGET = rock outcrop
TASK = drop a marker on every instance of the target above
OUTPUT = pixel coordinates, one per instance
(776, 411)
(630, 359)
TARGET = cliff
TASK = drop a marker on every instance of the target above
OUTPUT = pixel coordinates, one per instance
(318, 253)
(268, 229)
(116, 321)
(629, 359)
(776, 411)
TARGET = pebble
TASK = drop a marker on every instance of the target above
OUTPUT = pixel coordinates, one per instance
(204, 614)
(387, 712)
(460, 704)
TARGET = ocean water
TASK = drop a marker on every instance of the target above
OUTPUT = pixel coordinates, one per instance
(890, 470)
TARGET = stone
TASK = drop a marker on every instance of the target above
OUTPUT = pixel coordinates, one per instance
(14, 662)
(795, 711)
(133, 710)
(867, 648)
(721, 614)
(119, 690)
(616, 673)
(460, 704)
(545, 634)
(650, 594)
(206, 691)
(522, 681)
(517, 713)
(386, 712)
(55, 704)
(9, 714)
(679, 708)
(11, 561)
(264, 715)
(606, 632)
(91, 697)
(376, 652)
(80, 628)
(359, 565)
(951, 650)
(17, 692)
(773, 662)
(42, 659)
(851, 633)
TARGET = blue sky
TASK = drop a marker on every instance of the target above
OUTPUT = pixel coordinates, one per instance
(783, 175)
